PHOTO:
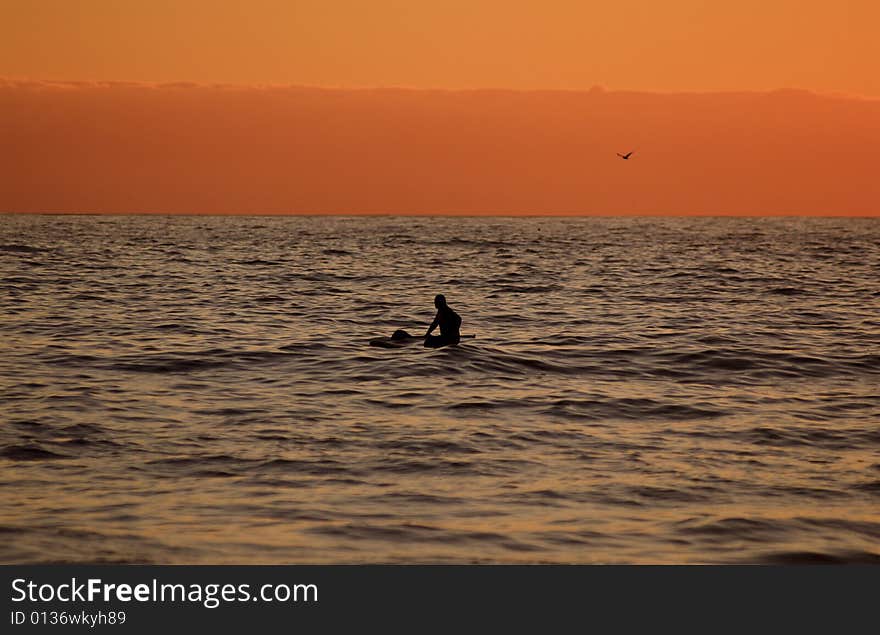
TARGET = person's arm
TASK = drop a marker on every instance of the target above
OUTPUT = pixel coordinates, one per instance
(433, 324)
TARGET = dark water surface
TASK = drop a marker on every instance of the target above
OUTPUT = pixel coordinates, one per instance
(199, 389)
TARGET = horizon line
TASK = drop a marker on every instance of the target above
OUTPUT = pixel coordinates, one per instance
(461, 215)
(25, 82)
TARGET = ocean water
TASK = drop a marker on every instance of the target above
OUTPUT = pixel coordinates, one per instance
(200, 390)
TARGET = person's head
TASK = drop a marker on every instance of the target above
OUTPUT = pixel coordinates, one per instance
(439, 300)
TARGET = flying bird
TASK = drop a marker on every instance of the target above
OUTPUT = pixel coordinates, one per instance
(626, 156)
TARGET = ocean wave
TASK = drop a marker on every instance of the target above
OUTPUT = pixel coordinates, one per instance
(22, 249)
(660, 390)
(29, 453)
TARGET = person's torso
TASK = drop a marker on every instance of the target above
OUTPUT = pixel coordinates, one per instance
(450, 322)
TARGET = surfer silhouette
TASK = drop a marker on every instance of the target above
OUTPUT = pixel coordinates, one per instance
(449, 322)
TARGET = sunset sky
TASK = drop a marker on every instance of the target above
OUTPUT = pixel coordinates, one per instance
(694, 87)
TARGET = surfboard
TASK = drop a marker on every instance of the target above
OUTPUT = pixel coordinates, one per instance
(402, 338)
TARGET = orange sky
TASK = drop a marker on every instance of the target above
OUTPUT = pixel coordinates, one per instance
(178, 148)
(622, 44)
(688, 84)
